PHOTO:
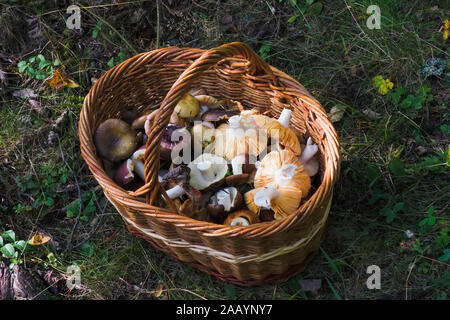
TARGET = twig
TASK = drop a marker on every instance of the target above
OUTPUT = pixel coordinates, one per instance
(157, 23)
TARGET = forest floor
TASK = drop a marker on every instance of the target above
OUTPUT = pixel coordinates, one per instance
(391, 202)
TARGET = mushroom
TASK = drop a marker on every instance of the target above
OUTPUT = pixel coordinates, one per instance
(176, 184)
(216, 115)
(202, 135)
(241, 218)
(139, 122)
(242, 166)
(124, 174)
(207, 101)
(308, 157)
(239, 136)
(175, 138)
(279, 130)
(282, 200)
(282, 168)
(115, 140)
(191, 210)
(206, 170)
(187, 107)
(223, 202)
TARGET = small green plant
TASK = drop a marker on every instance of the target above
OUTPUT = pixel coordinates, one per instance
(390, 212)
(37, 67)
(11, 248)
(42, 187)
(264, 51)
(411, 103)
(97, 29)
(88, 208)
(120, 58)
(428, 221)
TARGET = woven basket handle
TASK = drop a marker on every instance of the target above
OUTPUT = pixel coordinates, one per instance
(181, 86)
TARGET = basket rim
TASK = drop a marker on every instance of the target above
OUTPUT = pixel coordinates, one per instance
(292, 88)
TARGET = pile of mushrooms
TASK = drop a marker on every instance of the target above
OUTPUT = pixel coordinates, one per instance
(219, 162)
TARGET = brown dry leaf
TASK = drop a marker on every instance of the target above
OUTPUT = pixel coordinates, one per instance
(311, 285)
(38, 239)
(61, 80)
(336, 113)
(24, 94)
(371, 114)
(36, 105)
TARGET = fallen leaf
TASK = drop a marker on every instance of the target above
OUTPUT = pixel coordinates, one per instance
(38, 239)
(36, 105)
(371, 114)
(159, 290)
(336, 113)
(311, 285)
(61, 80)
(24, 94)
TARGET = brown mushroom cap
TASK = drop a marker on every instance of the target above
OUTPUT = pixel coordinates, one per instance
(235, 217)
(115, 140)
(236, 179)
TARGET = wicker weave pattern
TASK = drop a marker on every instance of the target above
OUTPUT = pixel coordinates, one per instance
(158, 79)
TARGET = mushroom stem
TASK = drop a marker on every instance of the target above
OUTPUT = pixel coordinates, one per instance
(139, 168)
(309, 152)
(240, 221)
(285, 173)
(175, 192)
(224, 198)
(264, 197)
(236, 164)
(285, 117)
(206, 169)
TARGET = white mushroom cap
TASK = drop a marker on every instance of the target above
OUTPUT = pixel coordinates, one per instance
(207, 169)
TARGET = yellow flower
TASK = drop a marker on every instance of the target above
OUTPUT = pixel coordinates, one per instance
(385, 87)
(445, 29)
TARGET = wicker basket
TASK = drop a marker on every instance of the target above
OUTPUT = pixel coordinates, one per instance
(262, 253)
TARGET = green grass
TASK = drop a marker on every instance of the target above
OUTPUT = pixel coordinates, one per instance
(394, 166)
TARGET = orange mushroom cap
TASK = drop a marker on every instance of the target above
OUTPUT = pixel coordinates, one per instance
(282, 200)
(285, 136)
(282, 168)
(239, 137)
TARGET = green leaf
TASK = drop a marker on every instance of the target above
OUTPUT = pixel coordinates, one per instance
(32, 59)
(9, 236)
(8, 250)
(20, 245)
(398, 207)
(40, 75)
(110, 62)
(40, 58)
(309, 2)
(49, 201)
(292, 19)
(397, 168)
(446, 256)
(73, 209)
(316, 9)
(293, 2)
(22, 65)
